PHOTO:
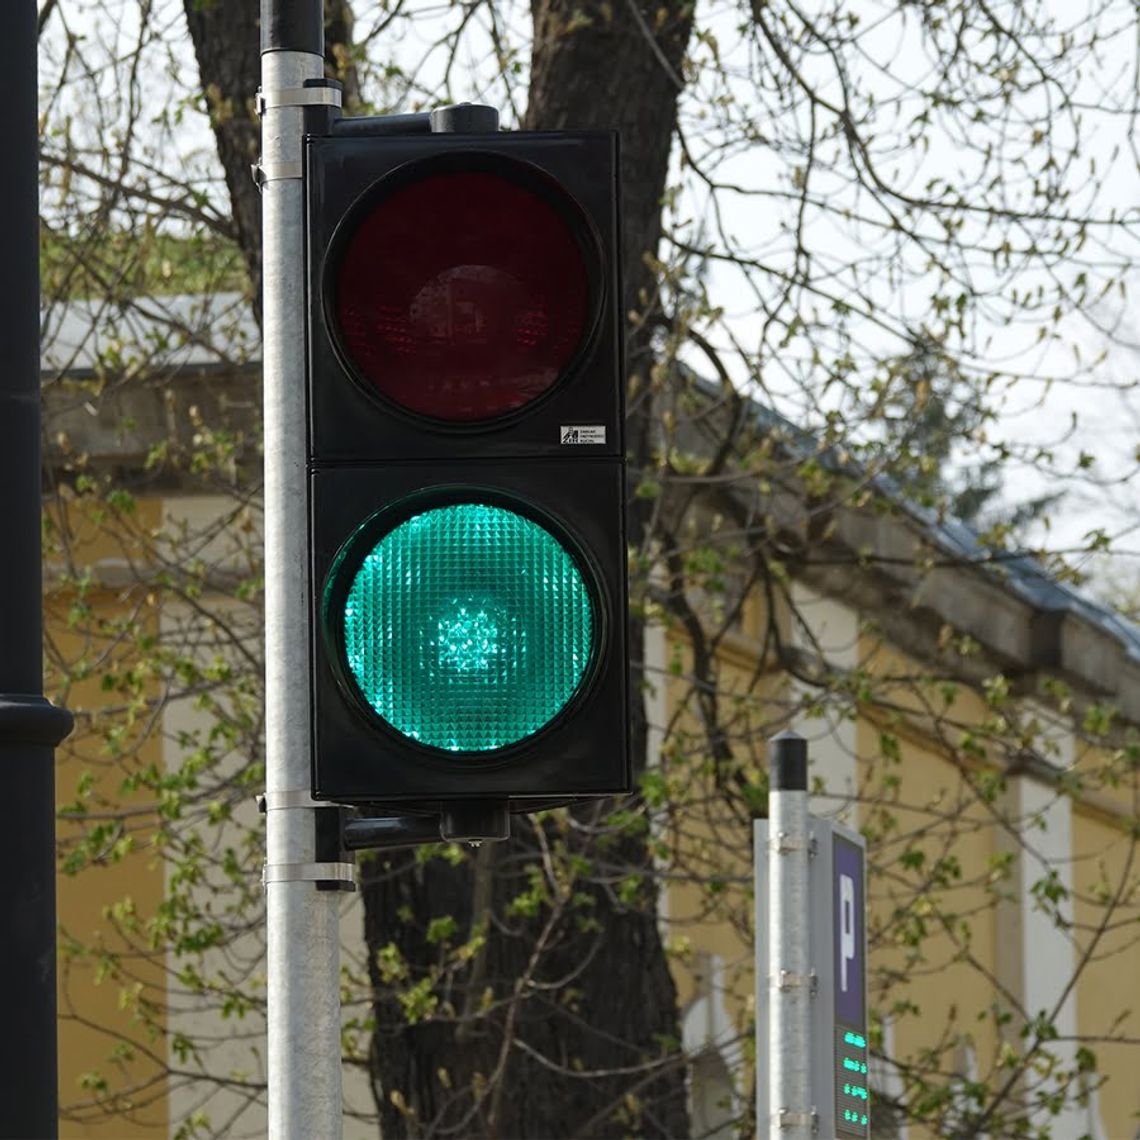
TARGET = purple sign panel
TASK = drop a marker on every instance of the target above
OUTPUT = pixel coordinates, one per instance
(852, 1088)
(847, 893)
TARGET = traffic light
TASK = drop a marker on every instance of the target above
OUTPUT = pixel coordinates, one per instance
(467, 476)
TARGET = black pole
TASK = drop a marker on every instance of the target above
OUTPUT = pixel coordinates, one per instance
(29, 726)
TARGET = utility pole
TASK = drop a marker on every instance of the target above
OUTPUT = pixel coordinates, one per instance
(811, 963)
(304, 1053)
(30, 727)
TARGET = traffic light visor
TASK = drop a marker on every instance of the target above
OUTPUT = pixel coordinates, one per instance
(466, 626)
(463, 291)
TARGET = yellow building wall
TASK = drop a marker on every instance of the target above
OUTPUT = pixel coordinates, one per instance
(1107, 936)
(943, 890)
(103, 1035)
(931, 911)
(935, 920)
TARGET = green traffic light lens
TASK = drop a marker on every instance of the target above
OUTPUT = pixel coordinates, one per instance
(467, 627)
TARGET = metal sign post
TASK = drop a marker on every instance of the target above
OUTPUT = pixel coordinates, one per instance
(788, 974)
(811, 962)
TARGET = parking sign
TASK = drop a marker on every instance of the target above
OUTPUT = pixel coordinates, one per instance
(838, 955)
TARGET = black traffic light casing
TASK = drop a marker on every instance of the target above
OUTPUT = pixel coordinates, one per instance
(344, 177)
(558, 460)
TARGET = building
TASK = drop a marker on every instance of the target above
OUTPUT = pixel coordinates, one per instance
(971, 715)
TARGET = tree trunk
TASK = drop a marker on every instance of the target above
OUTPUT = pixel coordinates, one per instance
(227, 46)
(581, 1033)
(565, 1023)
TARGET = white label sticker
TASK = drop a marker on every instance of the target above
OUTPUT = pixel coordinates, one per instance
(583, 433)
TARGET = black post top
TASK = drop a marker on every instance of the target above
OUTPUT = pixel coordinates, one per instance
(293, 25)
(787, 761)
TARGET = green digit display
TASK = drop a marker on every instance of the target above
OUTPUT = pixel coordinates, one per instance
(852, 1094)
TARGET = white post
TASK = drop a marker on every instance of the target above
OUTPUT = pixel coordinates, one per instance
(304, 1053)
(789, 972)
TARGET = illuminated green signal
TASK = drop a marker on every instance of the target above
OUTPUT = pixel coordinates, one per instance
(468, 627)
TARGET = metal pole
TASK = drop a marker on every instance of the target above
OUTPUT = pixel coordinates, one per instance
(304, 1058)
(29, 726)
(789, 972)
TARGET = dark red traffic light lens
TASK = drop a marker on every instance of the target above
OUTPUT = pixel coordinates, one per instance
(464, 294)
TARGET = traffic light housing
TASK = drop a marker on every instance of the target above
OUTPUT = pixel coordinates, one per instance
(467, 477)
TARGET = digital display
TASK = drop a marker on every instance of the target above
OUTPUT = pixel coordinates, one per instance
(852, 1093)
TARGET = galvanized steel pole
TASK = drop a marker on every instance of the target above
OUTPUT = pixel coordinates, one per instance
(789, 971)
(304, 1058)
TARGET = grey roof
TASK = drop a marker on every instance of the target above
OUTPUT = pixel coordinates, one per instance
(152, 332)
(1017, 572)
(1023, 575)
(173, 332)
